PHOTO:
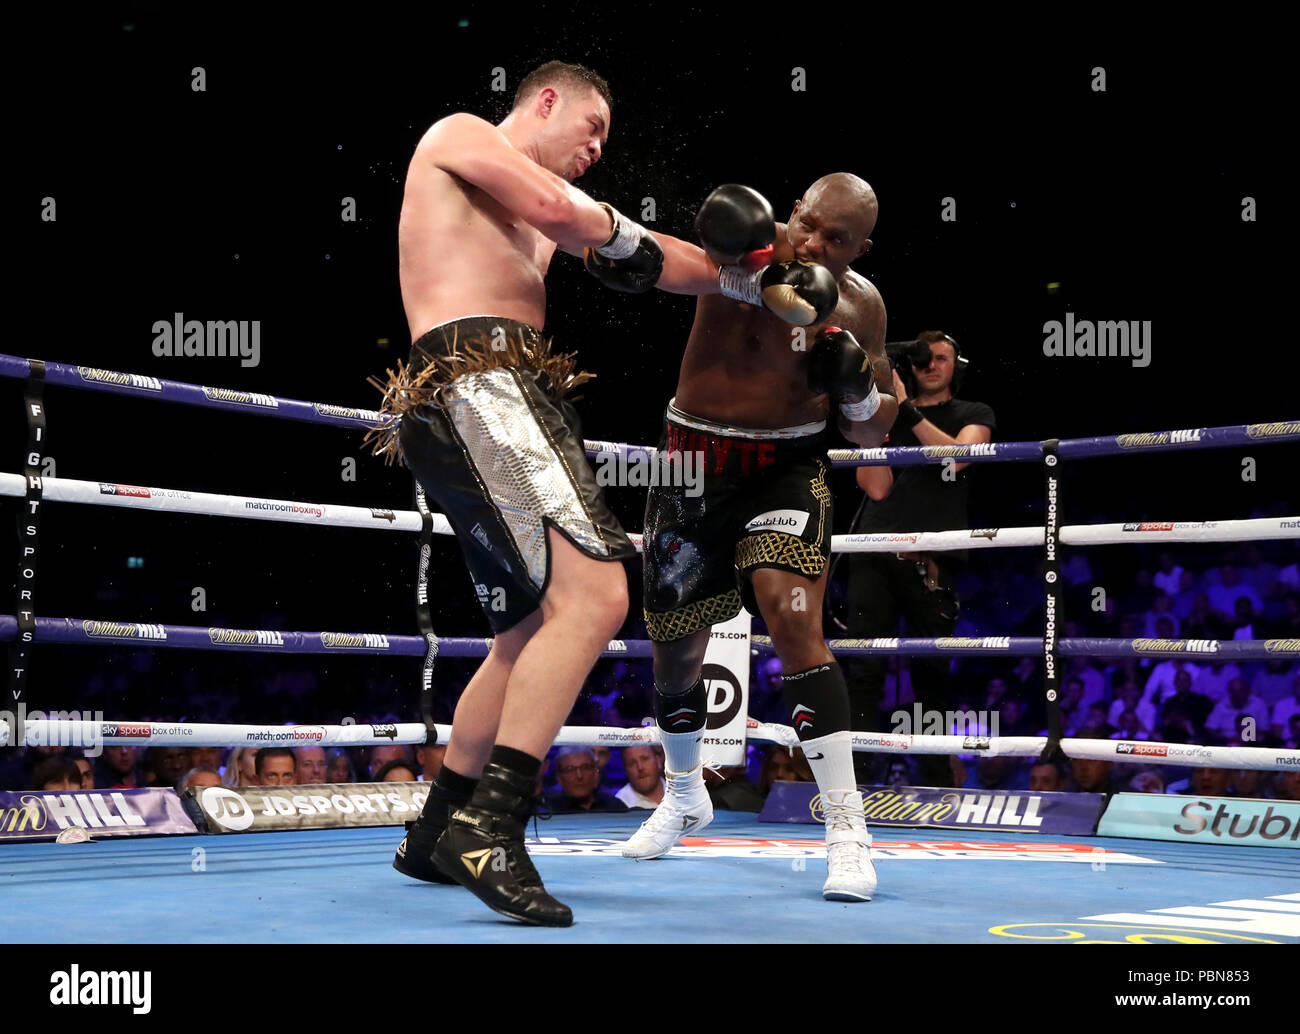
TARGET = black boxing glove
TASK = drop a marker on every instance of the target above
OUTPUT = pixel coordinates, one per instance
(838, 366)
(802, 293)
(733, 222)
(631, 260)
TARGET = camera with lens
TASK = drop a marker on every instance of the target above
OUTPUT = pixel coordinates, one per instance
(908, 356)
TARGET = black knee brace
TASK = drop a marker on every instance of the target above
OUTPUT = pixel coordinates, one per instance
(818, 700)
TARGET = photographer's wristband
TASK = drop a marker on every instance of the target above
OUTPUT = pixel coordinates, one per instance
(908, 414)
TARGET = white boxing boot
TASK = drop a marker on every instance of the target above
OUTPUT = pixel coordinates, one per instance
(850, 875)
(685, 809)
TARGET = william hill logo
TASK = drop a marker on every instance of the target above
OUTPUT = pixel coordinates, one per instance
(242, 398)
(354, 640)
(121, 630)
(244, 637)
(122, 380)
(1176, 645)
(1282, 646)
(1276, 430)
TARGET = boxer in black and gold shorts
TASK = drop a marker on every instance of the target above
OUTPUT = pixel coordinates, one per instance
(489, 435)
(764, 503)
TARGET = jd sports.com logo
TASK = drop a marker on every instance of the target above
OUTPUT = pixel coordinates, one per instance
(724, 695)
(227, 808)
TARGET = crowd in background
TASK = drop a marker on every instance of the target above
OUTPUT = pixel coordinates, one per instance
(1242, 592)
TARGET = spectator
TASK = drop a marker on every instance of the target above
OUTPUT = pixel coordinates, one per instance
(602, 755)
(117, 769)
(1213, 681)
(1162, 608)
(731, 790)
(1204, 782)
(274, 766)
(914, 587)
(309, 765)
(1246, 620)
(1045, 777)
(1257, 572)
(1090, 776)
(1094, 725)
(241, 768)
(199, 776)
(1094, 682)
(1228, 719)
(1248, 782)
(1224, 596)
(1289, 578)
(384, 753)
(1072, 714)
(429, 758)
(1146, 782)
(56, 774)
(396, 771)
(85, 769)
(338, 766)
(1013, 719)
(645, 778)
(1161, 682)
(1169, 579)
(996, 773)
(1130, 727)
(208, 757)
(1292, 740)
(1290, 788)
(1194, 705)
(579, 778)
(165, 765)
(1274, 681)
(781, 765)
(1288, 625)
(1202, 622)
(1186, 595)
(1286, 709)
(1130, 699)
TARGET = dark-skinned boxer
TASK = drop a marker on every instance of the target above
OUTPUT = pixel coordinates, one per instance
(753, 399)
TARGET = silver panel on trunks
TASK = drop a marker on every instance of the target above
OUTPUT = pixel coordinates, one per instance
(514, 457)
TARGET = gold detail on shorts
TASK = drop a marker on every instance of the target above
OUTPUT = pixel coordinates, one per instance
(407, 389)
(674, 624)
(823, 495)
(775, 548)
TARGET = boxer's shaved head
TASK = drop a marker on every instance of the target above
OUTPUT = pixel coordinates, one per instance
(832, 222)
(847, 196)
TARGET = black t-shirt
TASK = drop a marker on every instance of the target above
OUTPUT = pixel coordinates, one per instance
(921, 500)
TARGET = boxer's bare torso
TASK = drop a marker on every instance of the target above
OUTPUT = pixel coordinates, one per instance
(463, 253)
(740, 367)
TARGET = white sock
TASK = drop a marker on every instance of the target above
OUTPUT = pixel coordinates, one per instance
(831, 759)
(681, 750)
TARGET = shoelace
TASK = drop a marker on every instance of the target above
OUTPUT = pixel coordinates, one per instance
(662, 818)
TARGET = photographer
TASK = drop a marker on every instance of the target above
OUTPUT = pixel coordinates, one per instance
(915, 586)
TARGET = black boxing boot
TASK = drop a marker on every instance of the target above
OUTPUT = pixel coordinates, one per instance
(414, 856)
(483, 846)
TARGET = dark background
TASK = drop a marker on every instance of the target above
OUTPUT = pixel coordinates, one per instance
(226, 205)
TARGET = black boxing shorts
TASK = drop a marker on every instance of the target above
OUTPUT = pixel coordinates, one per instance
(760, 500)
(499, 452)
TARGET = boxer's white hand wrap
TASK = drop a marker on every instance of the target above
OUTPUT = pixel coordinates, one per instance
(741, 284)
(864, 410)
(625, 239)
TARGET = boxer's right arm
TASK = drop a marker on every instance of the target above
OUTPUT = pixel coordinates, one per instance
(479, 153)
